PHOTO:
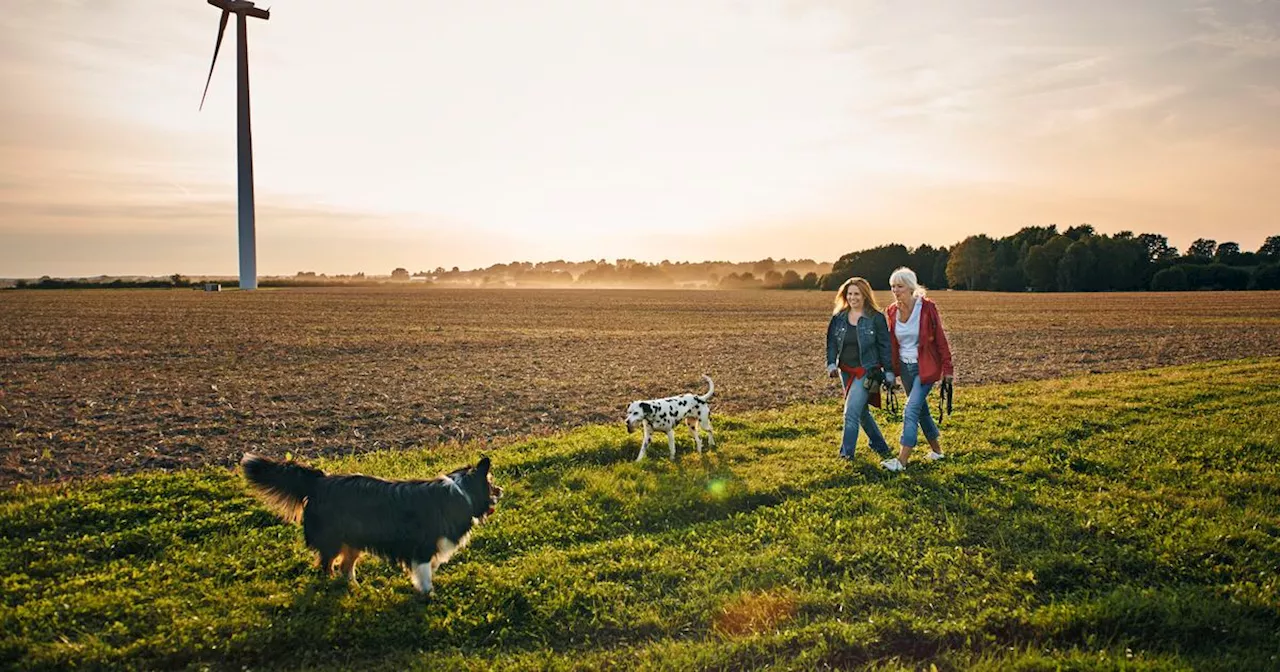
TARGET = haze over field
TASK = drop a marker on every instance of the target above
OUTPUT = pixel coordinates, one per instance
(424, 134)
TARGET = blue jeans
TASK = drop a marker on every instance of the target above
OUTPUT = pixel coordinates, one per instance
(915, 415)
(857, 413)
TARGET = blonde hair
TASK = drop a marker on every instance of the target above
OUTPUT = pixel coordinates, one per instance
(842, 296)
(907, 277)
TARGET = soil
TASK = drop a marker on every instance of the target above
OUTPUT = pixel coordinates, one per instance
(99, 382)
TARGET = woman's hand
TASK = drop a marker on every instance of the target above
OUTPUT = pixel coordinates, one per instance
(832, 370)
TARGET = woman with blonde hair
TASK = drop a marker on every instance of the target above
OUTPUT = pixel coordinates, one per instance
(921, 356)
(858, 351)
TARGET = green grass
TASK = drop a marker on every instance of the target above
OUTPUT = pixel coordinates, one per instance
(1125, 521)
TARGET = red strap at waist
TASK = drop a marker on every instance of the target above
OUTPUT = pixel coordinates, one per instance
(856, 372)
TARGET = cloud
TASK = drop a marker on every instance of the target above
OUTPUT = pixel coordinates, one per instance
(1099, 102)
(560, 128)
(1255, 35)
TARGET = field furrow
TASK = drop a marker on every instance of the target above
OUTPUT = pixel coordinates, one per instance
(118, 381)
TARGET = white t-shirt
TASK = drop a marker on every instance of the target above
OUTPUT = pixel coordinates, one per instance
(908, 334)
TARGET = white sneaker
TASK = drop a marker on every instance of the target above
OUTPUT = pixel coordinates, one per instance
(892, 464)
(932, 456)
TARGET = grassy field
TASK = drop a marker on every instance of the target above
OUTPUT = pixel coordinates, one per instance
(122, 381)
(1114, 521)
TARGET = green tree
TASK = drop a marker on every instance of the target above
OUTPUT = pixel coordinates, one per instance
(1228, 253)
(1079, 232)
(1041, 265)
(875, 264)
(1157, 246)
(1077, 268)
(971, 263)
(924, 261)
(1270, 248)
(1202, 248)
(1129, 268)
(1222, 276)
(1266, 276)
(1009, 276)
(1030, 236)
(1172, 279)
(940, 270)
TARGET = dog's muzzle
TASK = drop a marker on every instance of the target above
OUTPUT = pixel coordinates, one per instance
(493, 501)
(630, 427)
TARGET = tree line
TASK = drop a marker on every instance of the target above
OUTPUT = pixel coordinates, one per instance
(766, 273)
(1036, 258)
(1079, 259)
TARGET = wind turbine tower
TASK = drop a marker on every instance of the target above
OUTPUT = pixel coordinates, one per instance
(243, 10)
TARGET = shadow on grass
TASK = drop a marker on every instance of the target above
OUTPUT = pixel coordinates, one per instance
(694, 490)
(303, 630)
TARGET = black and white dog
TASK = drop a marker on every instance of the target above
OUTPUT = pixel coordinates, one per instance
(416, 523)
(664, 414)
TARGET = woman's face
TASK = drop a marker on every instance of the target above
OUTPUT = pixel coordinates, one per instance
(900, 291)
(854, 295)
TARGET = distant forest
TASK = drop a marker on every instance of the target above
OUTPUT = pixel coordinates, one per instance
(1036, 258)
(764, 274)
(1042, 259)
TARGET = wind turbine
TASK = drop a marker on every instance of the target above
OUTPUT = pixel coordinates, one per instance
(248, 246)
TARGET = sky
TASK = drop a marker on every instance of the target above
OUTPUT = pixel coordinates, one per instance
(420, 133)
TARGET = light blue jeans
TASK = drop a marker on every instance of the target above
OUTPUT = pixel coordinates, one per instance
(915, 414)
(856, 412)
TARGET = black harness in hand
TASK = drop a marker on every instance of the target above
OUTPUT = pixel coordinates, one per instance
(891, 402)
(946, 392)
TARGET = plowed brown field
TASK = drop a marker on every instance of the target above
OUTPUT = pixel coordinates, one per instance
(115, 381)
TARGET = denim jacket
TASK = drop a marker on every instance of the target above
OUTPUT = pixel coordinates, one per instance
(872, 334)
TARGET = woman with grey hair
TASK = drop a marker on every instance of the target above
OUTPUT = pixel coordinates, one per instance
(921, 357)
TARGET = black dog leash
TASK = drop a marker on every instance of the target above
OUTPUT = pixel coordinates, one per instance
(876, 378)
(946, 392)
(891, 399)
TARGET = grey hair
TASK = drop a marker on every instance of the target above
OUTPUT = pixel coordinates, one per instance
(907, 277)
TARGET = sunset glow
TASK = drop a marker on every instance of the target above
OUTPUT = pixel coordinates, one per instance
(424, 134)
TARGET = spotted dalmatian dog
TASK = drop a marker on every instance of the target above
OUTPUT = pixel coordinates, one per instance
(664, 414)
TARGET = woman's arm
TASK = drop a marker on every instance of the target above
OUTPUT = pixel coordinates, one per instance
(940, 337)
(882, 341)
(831, 351)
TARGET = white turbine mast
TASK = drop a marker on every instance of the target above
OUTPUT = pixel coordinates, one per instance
(248, 245)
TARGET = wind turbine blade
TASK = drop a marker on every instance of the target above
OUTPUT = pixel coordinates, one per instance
(222, 28)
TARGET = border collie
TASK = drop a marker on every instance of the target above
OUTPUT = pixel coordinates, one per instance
(418, 524)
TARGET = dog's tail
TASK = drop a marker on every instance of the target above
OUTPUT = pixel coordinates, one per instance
(283, 486)
(711, 389)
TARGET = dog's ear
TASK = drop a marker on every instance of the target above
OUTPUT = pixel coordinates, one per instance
(646, 407)
(483, 465)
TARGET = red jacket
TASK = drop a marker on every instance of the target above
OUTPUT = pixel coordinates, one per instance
(935, 352)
